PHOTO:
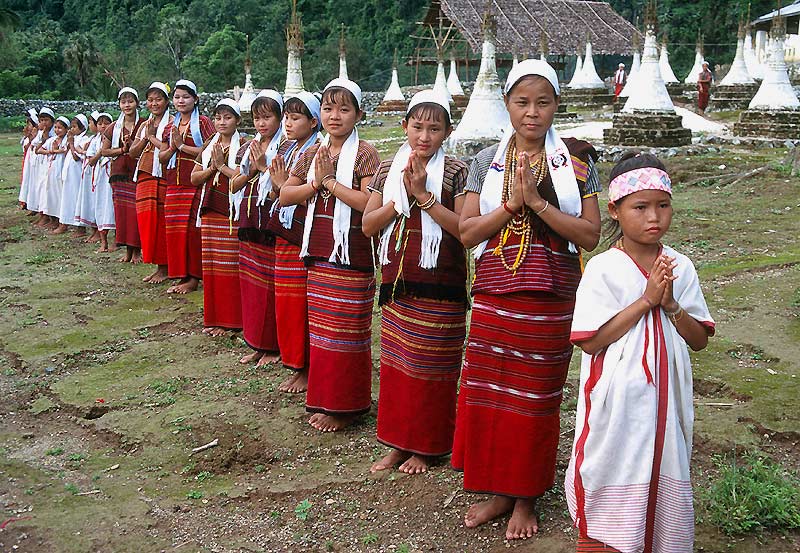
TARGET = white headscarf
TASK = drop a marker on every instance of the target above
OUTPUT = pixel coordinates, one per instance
(116, 134)
(344, 176)
(395, 191)
(559, 160)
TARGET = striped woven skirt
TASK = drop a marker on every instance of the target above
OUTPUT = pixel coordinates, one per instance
(507, 423)
(588, 545)
(291, 304)
(222, 304)
(339, 323)
(422, 343)
(183, 236)
(150, 194)
(124, 194)
(257, 284)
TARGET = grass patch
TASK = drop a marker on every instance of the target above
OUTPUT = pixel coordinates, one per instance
(751, 494)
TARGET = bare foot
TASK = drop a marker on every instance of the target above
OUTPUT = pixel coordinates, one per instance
(159, 276)
(251, 358)
(268, 358)
(523, 523)
(103, 248)
(148, 277)
(135, 255)
(330, 423)
(416, 464)
(113, 247)
(94, 238)
(124, 259)
(394, 457)
(60, 229)
(187, 285)
(79, 231)
(295, 384)
(216, 331)
(483, 512)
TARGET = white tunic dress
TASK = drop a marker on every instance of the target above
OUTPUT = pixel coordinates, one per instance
(54, 184)
(71, 176)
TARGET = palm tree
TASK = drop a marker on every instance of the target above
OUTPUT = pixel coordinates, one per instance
(9, 22)
(81, 55)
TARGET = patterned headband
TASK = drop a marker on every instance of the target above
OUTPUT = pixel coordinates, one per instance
(646, 178)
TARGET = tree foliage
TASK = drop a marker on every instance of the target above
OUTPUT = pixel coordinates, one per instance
(88, 48)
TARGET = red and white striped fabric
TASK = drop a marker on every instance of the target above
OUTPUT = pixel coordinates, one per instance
(628, 482)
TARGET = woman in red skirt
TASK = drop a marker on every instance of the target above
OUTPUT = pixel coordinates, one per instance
(415, 202)
(151, 187)
(333, 178)
(185, 135)
(256, 243)
(216, 165)
(531, 203)
(301, 123)
(117, 140)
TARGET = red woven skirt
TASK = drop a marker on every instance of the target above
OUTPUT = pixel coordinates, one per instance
(507, 423)
(150, 194)
(183, 236)
(124, 197)
(291, 304)
(222, 304)
(422, 343)
(339, 323)
(257, 283)
(588, 545)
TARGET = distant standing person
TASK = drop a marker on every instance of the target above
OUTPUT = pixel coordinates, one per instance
(619, 80)
(704, 87)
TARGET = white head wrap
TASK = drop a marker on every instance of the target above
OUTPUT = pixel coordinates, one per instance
(116, 134)
(158, 85)
(559, 160)
(273, 95)
(85, 122)
(347, 84)
(47, 111)
(129, 90)
(188, 84)
(231, 104)
(94, 115)
(394, 191)
(33, 116)
(64, 120)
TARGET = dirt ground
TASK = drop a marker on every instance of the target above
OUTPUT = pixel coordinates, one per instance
(107, 384)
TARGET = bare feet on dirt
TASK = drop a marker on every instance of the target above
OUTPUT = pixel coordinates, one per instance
(60, 229)
(268, 358)
(159, 276)
(295, 384)
(523, 523)
(416, 464)
(135, 255)
(186, 285)
(330, 423)
(391, 460)
(483, 512)
(251, 357)
(215, 331)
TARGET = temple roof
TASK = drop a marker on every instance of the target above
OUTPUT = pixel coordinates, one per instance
(520, 24)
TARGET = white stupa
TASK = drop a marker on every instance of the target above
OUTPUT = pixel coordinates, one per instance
(294, 47)
(630, 84)
(394, 93)
(453, 84)
(754, 69)
(248, 94)
(577, 72)
(650, 93)
(440, 84)
(738, 74)
(485, 117)
(776, 92)
(588, 77)
(667, 74)
(697, 68)
(515, 60)
(342, 56)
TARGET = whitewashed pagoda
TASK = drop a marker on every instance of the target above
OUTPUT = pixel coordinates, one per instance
(393, 101)
(485, 117)
(589, 90)
(454, 86)
(648, 117)
(294, 47)
(774, 112)
(342, 56)
(738, 87)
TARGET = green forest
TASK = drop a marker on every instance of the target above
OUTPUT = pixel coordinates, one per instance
(86, 49)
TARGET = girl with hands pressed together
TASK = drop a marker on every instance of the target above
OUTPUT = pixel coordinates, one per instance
(55, 149)
(301, 124)
(214, 169)
(256, 243)
(638, 307)
(414, 206)
(185, 135)
(333, 178)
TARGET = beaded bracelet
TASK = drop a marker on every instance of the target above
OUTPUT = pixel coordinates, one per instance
(428, 203)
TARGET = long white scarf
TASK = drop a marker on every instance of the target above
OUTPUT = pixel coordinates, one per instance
(562, 173)
(395, 191)
(264, 179)
(116, 134)
(77, 141)
(205, 159)
(286, 214)
(162, 124)
(341, 211)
